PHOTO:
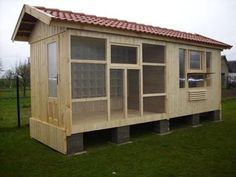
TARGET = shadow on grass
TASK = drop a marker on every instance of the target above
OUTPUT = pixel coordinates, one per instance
(179, 122)
(13, 129)
(97, 138)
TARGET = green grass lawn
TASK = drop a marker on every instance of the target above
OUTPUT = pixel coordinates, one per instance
(8, 114)
(205, 151)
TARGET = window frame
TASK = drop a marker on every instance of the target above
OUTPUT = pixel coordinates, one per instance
(125, 64)
(193, 70)
(184, 67)
(88, 60)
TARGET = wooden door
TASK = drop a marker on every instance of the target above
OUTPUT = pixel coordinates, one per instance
(52, 63)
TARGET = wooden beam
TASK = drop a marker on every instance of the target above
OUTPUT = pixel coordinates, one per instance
(21, 38)
(154, 64)
(13, 38)
(108, 84)
(125, 87)
(154, 94)
(24, 31)
(38, 14)
(88, 61)
(88, 99)
(28, 22)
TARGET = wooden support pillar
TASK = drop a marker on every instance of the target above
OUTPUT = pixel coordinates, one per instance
(194, 120)
(75, 143)
(162, 126)
(121, 135)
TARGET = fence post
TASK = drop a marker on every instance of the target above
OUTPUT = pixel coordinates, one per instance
(18, 101)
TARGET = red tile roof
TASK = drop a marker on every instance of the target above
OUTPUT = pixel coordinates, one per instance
(130, 26)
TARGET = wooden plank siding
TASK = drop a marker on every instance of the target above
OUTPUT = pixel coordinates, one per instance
(177, 103)
(49, 113)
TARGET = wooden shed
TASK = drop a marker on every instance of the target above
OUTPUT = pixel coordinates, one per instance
(90, 73)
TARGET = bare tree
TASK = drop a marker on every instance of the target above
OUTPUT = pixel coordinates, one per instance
(23, 70)
(9, 76)
(1, 67)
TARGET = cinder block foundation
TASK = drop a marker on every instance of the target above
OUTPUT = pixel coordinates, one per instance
(121, 135)
(215, 115)
(75, 143)
(194, 120)
(162, 126)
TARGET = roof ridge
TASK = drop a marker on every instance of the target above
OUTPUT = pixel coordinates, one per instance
(120, 20)
(209, 38)
(130, 25)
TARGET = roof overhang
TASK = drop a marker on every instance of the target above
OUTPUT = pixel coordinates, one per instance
(28, 18)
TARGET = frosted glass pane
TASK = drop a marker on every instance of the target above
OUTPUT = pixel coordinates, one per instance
(88, 80)
(87, 48)
(52, 69)
(52, 87)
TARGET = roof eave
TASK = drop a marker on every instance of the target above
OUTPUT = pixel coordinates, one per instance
(40, 15)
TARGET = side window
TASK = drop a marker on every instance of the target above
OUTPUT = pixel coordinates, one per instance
(52, 69)
(208, 68)
(195, 60)
(181, 68)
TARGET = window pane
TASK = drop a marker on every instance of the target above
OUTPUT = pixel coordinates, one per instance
(153, 53)
(123, 54)
(153, 79)
(52, 69)
(88, 80)
(208, 68)
(117, 93)
(208, 61)
(89, 112)
(181, 68)
(87, 48)
(154, 104)
(195, 58)
(196, 80)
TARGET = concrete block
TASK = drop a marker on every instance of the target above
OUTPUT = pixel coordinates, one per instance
(75, 143)
(121, 135)
(162, 126)
(194, 120)
(215, 115)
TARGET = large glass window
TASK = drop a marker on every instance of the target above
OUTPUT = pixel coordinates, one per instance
(88, 80)
(52, 69)
(181, 68)
(195, 60)
(87, 48)
(123, 54)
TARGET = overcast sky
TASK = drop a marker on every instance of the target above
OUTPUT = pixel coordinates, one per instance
(212, 18)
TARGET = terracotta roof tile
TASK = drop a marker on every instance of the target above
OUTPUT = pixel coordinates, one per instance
(130, 26)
